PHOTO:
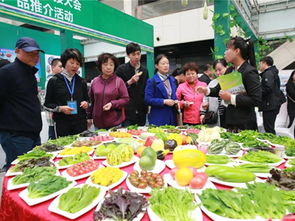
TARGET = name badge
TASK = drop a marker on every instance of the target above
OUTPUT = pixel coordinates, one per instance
(73, 104)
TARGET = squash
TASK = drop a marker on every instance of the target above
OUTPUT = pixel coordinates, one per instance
(189, 158)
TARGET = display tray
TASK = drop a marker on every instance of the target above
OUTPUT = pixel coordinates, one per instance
(147, 190)
(231, 184)
(172, 182)
(196, 215)
(53, 207)
(138, 218)
(11, 186)
(216, 217)
(67, 166)
(125, 174)
(159, 167)
(69, 177)
(31, 202)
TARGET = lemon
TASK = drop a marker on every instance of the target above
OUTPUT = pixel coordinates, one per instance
(183, 176)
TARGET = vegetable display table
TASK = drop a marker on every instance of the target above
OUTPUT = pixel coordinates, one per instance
(13, 208)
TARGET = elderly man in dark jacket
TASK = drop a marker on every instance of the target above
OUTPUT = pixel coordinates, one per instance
(20, 109)
(271, 94)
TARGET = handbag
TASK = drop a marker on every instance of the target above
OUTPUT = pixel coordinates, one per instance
(211, 117)
(282, 97)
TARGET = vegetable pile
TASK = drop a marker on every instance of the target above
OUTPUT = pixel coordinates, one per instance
(33, 175)
(121, 205)
(35, 154)
(74, 159)
(255, 167)
(172, 204)
(75, 199)
(106, 176)
(218, 159)
(230, 174)
(145, 179)
(82, 168)
(284, 180)
(30, 163)
(47, 147)
(259, 199)
(47, 186)
(230, 148)
(261, 157)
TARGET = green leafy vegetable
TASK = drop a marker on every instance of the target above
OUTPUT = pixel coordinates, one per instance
(33, 175)
(30, 163)
(77, 198)
(33, 155)
(217, 159)
(63, 141)
(261, 157)
(255, 168)
(74, 159)
(172, 204)
(47, 186)
(259, 199)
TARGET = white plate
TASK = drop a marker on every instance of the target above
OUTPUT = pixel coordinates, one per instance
(214, 216)
(137, 218)
(11, 186)
(263, 175)
(270, 164)
(89, 181)
(99, 157)
(31, 202)
(196, 215)
(62, 156)
(53, 207)
(239, 154)
(289, 165)
(66, 175)
(159, 167)
(54, 154)
(139, 190)
(67, 166)
(287, 157)
(124, 164)
(169, 179)
(8, 173)
(170, 164)
(231, 184)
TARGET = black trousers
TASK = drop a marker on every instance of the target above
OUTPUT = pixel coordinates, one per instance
(269, 118)
(138, 119)
(66, 128)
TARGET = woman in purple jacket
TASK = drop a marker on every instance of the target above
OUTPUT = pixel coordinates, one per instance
(108, 94)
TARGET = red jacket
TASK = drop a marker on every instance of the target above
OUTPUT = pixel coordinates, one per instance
(186, 92)
(103, 91)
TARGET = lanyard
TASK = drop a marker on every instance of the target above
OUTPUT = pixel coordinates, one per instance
(71, 89)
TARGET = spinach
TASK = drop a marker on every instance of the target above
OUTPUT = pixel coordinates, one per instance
(33, 174)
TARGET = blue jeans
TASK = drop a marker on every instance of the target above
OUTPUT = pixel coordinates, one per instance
(14, 146)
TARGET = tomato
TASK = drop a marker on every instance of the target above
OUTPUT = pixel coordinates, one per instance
(203, 175)
(197, 182)
(195, 172)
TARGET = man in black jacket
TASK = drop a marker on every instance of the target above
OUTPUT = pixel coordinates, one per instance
(270, 85)
(135, 77)
(20, 110)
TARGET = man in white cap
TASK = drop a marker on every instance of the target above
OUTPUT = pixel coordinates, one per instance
(20, 110)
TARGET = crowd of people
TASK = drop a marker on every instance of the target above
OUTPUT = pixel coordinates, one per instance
(123, 95)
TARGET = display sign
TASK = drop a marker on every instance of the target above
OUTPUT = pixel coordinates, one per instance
(7, 54)
(232, 83)
(63, 10)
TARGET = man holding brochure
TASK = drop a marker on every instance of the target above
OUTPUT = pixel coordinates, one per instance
(240, 90)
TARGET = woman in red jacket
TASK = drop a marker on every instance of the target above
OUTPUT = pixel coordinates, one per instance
(188, 96)
(108, 94)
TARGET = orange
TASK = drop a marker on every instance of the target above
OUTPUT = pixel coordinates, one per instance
(183, 176)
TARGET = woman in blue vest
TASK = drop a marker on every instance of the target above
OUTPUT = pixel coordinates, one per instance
(160, 94)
